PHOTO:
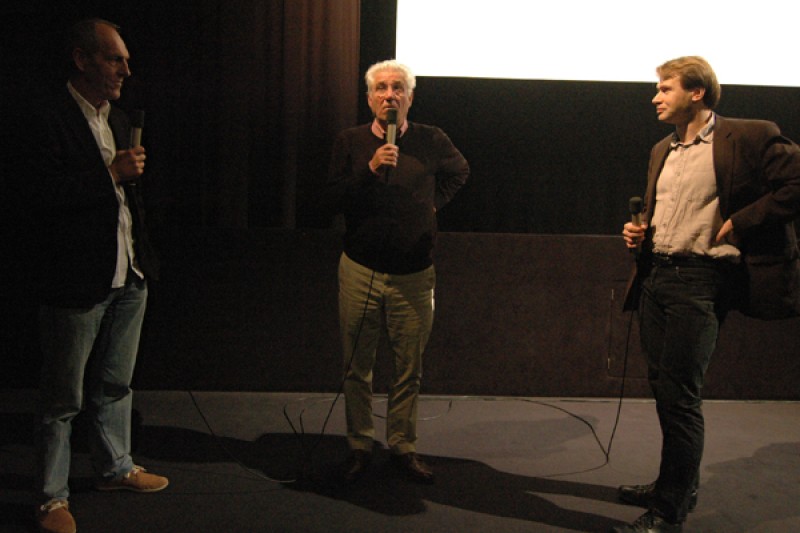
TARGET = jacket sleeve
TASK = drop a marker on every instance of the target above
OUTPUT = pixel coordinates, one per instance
(767, 183)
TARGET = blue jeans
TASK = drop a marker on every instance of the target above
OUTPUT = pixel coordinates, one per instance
(682, 308)
(92, 352)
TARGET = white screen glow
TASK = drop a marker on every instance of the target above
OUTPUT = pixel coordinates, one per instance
(612, 40)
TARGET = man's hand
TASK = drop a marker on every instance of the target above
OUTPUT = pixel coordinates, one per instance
(128, 164)
(633, 235)
(726, 231)
(385, 155)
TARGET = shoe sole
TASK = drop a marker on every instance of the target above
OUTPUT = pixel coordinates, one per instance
(108, 488)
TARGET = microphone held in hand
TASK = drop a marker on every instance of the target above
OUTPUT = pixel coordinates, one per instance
(391, 125)
(635, 205)
(137, 123)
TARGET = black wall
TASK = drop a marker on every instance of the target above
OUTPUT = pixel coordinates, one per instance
(516, 315)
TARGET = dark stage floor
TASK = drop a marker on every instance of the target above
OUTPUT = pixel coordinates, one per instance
(502, 464)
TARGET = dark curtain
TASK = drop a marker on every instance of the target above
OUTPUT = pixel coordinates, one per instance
(248, 97)
(242, 98)
(242, 101)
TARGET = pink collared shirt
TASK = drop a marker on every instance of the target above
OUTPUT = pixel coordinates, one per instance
(381, 133)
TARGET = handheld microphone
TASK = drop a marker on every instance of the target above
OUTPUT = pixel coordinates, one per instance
(391, 125)
(635, 207)
(137, 123)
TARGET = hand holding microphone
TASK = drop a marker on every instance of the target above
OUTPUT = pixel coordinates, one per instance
(137, 123)
(633, 231)
(388, 154)
(129, 164)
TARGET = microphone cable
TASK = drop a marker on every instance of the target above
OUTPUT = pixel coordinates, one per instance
(622, 384)
(307, 452)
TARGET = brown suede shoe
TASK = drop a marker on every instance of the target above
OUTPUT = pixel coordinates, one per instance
(137, 480)
(54, 517)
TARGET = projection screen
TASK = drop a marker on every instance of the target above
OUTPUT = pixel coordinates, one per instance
(612, 40)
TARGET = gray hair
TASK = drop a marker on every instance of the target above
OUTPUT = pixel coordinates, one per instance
(390, 64)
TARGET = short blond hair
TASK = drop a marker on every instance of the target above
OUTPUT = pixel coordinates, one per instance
(694, 72)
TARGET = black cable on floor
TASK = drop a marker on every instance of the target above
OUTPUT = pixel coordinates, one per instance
(307, 452)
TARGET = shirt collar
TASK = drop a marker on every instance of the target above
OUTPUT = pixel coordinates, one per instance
(90, 111)
(379, 132)
(705, 135)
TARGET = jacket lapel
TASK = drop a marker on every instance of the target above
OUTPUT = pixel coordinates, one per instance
(723, 150)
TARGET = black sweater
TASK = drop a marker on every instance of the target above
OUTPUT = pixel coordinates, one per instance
(390, 219)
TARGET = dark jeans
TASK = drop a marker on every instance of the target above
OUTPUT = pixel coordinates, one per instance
(682, 308)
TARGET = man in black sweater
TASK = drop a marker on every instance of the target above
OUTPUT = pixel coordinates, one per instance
(389, 193)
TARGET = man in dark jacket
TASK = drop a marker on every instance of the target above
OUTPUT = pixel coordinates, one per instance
(92, 260)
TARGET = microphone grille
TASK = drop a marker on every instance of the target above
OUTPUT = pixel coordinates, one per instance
(137, 118)
(635, 205)
(391, 115)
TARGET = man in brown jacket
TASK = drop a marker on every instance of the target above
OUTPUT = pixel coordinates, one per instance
(718, 190)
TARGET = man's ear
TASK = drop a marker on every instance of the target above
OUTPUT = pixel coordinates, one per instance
(79, 57)
(698, 94)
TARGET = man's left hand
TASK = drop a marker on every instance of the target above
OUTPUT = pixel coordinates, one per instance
(726, 231)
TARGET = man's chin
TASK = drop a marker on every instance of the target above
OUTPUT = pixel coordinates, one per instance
(114, 94)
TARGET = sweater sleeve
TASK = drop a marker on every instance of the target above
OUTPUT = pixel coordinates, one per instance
(453, 170)
(348, 170)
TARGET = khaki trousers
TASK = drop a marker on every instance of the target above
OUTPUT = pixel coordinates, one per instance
(404, 304)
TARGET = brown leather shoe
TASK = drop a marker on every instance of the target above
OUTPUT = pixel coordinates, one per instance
(411, 465)
(356, 466)
(54, 517)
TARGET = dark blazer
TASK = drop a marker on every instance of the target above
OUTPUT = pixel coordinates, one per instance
(73, 205)
(758, 182)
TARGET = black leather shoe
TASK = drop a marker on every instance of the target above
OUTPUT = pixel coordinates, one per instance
(642, 495)
(649, 522)
(356, 466)
(410, 465)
